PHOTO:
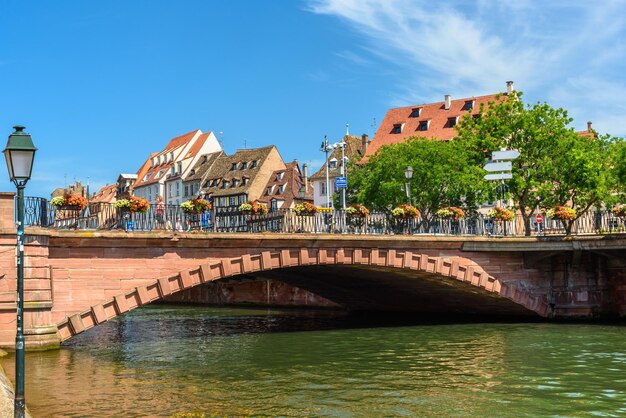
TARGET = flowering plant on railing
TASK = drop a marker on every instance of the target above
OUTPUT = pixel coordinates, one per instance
(451, 212)
(405, 211)
(501, 214)
(305, 208)
(255, 208)
(133, 204)
(195, 206)
(562, 213)
(357, 211)
(69, 199)
(619, 210)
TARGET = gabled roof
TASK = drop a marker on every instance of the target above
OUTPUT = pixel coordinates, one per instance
(203, 165)
(292, 181)
(105, 195)
(352, 151)
(181, 140)
(222, 170)
(435, 115)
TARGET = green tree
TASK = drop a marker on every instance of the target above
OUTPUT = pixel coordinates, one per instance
(556, 166)
(443, 175)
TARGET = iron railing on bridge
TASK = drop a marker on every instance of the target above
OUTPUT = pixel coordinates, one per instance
(103, 216)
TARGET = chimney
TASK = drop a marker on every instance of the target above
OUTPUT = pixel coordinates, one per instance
(589, 127)
(509, 87)
(364, 143)
(447, 101)
(305, 175)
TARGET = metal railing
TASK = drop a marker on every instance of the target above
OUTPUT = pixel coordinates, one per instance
(104, 216)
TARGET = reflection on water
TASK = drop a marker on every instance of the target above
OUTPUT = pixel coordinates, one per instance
(163, 360)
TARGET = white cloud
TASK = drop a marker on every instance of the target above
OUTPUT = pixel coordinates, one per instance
(466, 48)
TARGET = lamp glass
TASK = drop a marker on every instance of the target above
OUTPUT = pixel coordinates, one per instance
(20, 163)
(408, 173)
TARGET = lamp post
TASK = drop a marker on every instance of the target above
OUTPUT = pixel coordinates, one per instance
(20, 154)
(326, 147)
(408, 173)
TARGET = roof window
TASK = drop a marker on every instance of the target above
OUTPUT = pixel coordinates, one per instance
(253, 164)
(397, 128)
(423, 125)
(224, 184)
(244, 165)
(233, 167)
(452, 121)
(415, 113)
(469, 105)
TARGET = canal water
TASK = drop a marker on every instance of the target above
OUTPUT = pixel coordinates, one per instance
(171, 360)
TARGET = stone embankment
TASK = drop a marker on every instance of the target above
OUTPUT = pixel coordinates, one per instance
(6, 394)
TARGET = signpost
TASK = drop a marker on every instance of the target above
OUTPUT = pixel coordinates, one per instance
(341, 183)
(539, 220)
(499, 169)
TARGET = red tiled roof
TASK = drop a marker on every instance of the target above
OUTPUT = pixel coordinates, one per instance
(181, 140)
(434, 114)
(292, 180)
(195, 148)
(105, 195)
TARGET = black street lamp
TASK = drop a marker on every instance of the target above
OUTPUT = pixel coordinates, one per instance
(408, 173)
(20, 154)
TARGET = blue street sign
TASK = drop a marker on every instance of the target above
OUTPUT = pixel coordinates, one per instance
(341, 183)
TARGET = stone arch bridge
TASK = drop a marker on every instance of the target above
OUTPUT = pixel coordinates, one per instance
(75, 280)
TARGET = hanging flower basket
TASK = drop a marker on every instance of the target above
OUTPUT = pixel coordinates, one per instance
(451, 212)
(619, 210)
(69, 201)
(254, 208)
(306, 208)
(133, 204)
(357, 211)
(405, 211)
(195, 206)
(562, 213)
(501, 214)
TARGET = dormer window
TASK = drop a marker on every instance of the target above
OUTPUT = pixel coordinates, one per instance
(208, 183)
(171, 156)
(253, 164)
(180, 167)
(423, 125)
(235, 183)
(147, 176)
(225, 184)
(415, 113)
(192, 172)
(332, 163)
(469, 105)
(279, 176)
(452, 121)
(397, 128)
(244, 181)
(281, 189)
(244, 165)
(233, 167)
(173, 170)
(152, 163)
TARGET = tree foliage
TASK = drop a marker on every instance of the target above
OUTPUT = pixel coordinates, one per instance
(442, 176)
(556, 166)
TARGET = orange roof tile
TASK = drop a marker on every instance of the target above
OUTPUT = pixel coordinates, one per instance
(433, 114)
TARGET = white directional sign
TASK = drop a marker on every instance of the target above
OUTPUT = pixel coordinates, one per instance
(499, 176)
(505, 155)
(503, 166)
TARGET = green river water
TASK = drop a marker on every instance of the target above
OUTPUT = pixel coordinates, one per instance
(167, 360)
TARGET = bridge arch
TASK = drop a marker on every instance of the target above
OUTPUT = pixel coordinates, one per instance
(454, 268)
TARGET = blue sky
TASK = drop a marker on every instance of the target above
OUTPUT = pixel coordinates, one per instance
(100, 85)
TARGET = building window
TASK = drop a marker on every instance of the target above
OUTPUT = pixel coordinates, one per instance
(397, 128)
(224, 184)
(452, 122)
(244, 165)
(279, 176)
(281, 189)
(186, 190)
(469, 105)
(244, 181)
(253, 164)
(415, 113)
(180, 167)
(173, 171)
(177, 189)
(232, 201)
(171, 156)
(273, 205)
(322, 188)
(235, 183)
(423, 126)
(233, 167)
